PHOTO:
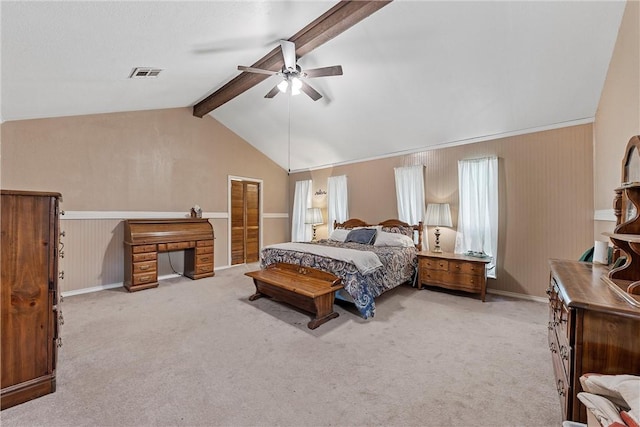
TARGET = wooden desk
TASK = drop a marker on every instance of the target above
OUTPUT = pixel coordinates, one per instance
(144, 238)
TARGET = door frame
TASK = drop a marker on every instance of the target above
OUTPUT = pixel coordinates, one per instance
(260, 200)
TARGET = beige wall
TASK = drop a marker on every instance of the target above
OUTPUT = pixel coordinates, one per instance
(546, 198)
(618, 115)
(141, 162)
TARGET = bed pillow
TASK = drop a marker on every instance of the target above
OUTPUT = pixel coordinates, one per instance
(407, 231)
(362, 235)
(393, 239)
(339, 234)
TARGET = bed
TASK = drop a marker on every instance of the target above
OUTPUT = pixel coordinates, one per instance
(364, 278)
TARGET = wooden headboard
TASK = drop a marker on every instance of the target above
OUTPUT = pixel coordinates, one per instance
(355, 222)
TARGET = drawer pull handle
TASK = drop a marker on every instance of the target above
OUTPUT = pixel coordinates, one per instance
(144, 267)
(205, 259)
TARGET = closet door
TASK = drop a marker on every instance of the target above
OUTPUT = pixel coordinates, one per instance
(237, 222)
(245, 221)
(252, 221)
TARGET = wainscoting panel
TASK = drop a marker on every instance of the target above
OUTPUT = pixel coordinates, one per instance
(94, 249)
(93, 253)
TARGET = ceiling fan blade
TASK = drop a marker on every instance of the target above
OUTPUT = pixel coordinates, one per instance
(273, 92)
(311, 92)
(336, 70)
(288, 54)
(256, 70)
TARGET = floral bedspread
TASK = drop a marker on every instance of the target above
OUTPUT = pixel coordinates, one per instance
(398, 266)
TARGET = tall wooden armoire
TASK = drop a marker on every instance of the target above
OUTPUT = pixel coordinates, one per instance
(245, 221)
(29, 295)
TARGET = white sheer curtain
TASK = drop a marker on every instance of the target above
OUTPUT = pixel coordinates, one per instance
(478, 210)
(337, 200)
(301, 232)
(410, 196)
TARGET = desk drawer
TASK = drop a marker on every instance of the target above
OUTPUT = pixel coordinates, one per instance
(175, 246)
(206, 268)
(143, 248)
(144, 267)
(204, 243)
(149, 256)
(142, 278)
(204, 250)
(204, 259)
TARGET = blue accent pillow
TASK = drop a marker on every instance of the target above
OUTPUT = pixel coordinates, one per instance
(362, 235)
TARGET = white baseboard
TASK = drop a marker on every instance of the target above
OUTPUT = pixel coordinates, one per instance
(517, 295)
(120, 284)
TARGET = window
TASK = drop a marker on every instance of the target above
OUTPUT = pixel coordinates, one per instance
(478, 210)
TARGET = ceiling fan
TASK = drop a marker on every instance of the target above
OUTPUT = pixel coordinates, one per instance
(293, 76)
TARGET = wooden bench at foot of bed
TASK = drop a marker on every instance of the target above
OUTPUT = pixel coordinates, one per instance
(303, 287)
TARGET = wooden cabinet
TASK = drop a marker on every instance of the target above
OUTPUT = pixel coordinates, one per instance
(144, 238)
(453, 271)
(29, 295)
(591, 329)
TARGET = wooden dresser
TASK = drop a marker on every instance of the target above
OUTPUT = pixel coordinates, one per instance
(144, 238)
(592, 329)
(453, 271)
(29, 295)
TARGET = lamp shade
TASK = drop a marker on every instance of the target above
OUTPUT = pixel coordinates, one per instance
(313, 216)
(439, 215)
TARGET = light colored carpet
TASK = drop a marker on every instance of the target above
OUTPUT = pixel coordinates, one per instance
(199, 353)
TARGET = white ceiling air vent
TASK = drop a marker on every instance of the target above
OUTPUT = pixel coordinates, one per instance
(144, 73)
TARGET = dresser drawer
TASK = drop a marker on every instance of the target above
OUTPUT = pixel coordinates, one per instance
(144, 267)
(148, 256)
(434, 264)
(561, 375)
(433, 276)
(466, 267)
(468, 282)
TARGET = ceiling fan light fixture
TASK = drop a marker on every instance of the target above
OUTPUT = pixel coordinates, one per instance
(283, 85)
(296, 85)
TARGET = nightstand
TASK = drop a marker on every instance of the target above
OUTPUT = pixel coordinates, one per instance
(453, 271)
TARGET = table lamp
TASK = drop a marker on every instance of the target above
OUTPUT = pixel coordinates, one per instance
(438, 215)
(313, 217)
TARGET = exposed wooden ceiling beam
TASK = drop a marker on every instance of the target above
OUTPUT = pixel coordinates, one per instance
(336, 20)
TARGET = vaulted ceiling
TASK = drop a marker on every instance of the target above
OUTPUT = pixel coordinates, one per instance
(417, 74)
